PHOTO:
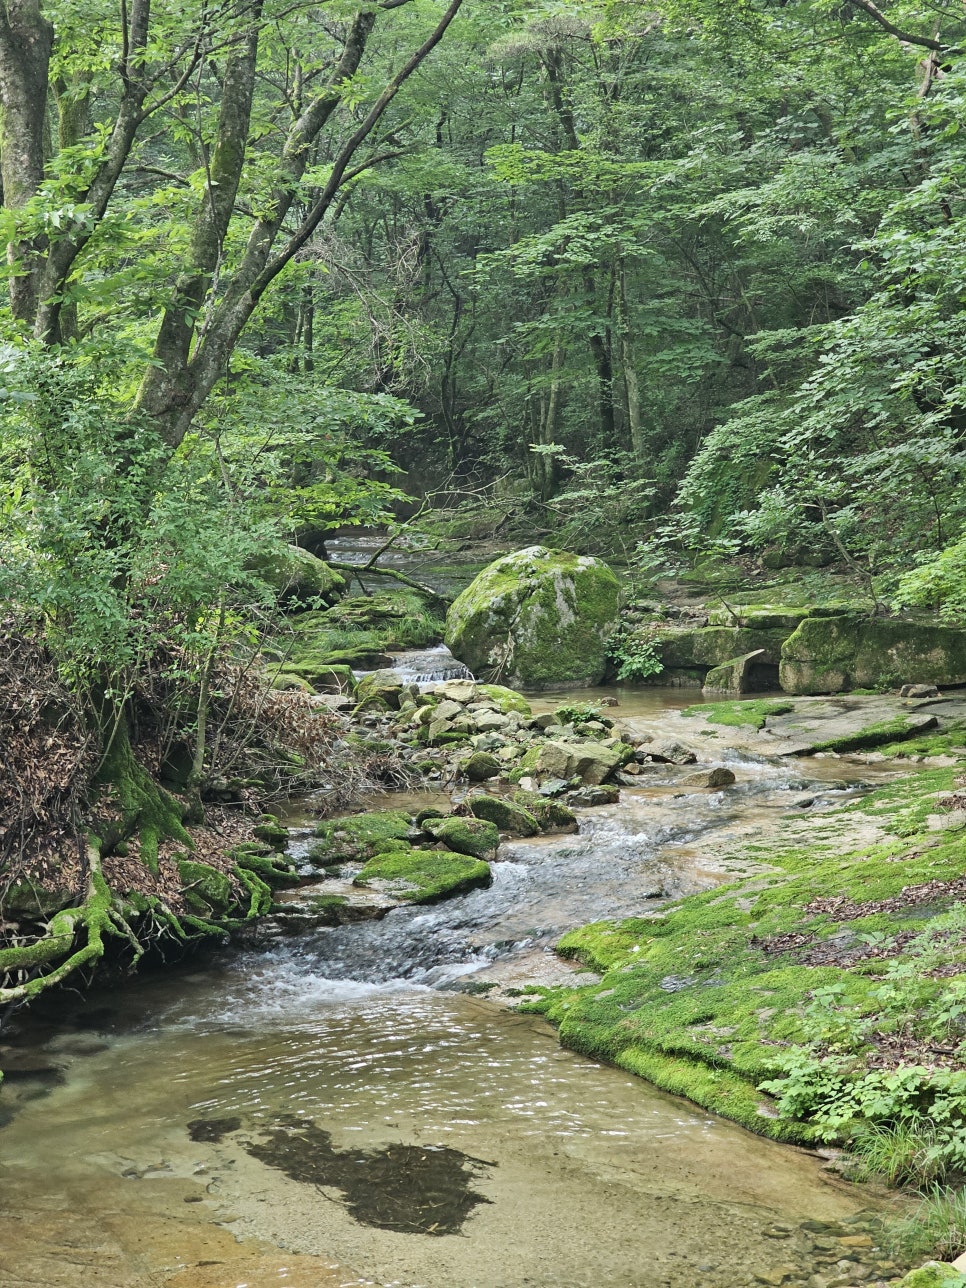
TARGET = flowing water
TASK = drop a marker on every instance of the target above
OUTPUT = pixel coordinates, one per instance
(331, 1110)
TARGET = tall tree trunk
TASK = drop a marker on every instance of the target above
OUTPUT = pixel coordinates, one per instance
(26, 41)
(632, 390)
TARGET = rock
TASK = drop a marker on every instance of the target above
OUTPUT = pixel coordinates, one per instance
(832, 654)
(960, 1263)
(551, 815)
(299, 577)
(705, 647)
(506, 815)
(589, 796)
(508, 700)
(735, 676)
(359, 836)
(480, 766)
(667, 753)
(590, 761)
(461, 691)
(918, 691)
(544, 720)
(449, 710)
(713, 778)
(540, 617)
(934, 1274)
(487, 721)
(270, 830)
(423, 876)
(285, 681)
(472, 836)
(380, 686)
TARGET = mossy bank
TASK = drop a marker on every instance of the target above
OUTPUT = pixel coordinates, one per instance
(821, 998)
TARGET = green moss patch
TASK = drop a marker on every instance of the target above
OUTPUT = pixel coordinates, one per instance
(359, 836)
(754, 712)
(423, 876)
(712, 997)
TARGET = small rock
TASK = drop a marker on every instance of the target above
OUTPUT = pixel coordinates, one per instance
(918, 691)
(712, 778)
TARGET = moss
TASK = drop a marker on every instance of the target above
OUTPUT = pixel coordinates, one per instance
(472, 836)
(506, 699)
(358, 836)
(711, 646)
(145, 809)
(754, 712)
(508, 816)
(936, 1274)
(273, 870)
(424, 876)
(549, 814)
(206, 890)
(696, 1000)
(832, 654)
(874, 735)
(259, 892)
(539, 617)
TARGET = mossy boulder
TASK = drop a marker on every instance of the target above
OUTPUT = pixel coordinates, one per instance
(508, 816)
(538, 618)
(481, 766)
(423, 876)
(835, 654)
(934, 1274)
(550, 814)
(298, 577)
(359, 836)
(506, 699)
(380, 686)
(473, 836)
(705, 647)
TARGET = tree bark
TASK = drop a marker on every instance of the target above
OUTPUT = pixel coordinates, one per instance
(26, 41)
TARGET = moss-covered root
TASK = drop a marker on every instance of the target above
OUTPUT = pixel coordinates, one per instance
(92, 919)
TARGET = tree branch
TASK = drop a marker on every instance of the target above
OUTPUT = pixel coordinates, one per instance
(925, 42)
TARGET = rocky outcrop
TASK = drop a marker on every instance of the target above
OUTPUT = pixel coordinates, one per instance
(537, 618)
(835, 654)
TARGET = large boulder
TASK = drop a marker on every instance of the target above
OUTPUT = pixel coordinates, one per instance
(536, 619)
(834, 654)
(300, 578)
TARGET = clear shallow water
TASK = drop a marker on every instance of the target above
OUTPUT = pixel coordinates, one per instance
(579, 1174)
(313, 1113)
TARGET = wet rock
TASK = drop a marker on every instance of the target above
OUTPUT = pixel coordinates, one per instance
(667, 753)
(425, 876)
(550, 814)
(713, 778)
(586, 797)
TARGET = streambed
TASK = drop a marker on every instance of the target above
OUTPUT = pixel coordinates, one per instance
(328, 1110)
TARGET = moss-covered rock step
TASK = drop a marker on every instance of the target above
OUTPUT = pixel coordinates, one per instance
(818, 960)
(423, 876)
(803, 726)
(416, 859)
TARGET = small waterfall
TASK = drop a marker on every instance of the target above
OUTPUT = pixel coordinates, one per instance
(430, 666)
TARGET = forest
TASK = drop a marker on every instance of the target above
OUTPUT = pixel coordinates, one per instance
(674, 286)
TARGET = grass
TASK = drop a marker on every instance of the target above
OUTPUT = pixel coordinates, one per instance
(936, 1229)
(754, 712)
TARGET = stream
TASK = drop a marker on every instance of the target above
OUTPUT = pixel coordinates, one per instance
(331, 1108)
